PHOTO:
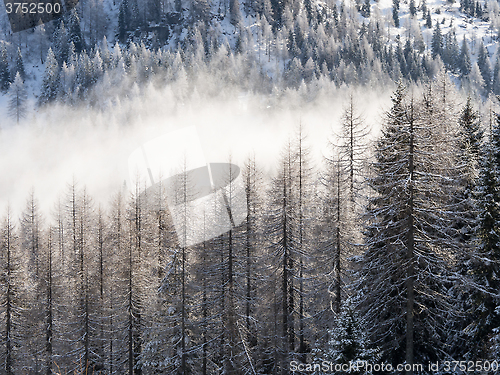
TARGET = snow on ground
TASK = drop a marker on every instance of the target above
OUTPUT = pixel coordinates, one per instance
(473, 29)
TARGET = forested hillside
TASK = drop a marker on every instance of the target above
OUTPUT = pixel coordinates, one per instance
(383, 248)
(260, 45)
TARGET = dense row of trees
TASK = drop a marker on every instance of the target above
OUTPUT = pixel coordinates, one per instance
(115, 289)
(286, 45)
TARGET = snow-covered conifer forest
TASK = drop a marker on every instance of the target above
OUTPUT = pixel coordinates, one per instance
(366, 139)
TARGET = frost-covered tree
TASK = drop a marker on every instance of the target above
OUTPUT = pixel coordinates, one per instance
(353, 146)
(464, 62)
(5, 78)
(437, 42)
(50, 82)
(406, 262)
(451, 51)
(123, 21)
(468, 157)
(32, 246)
(11, 295)
(484, 262)
(475, 80)
(395, 12)
(61, 43)
(348, 339)
(470, 138)
(495, 85)
(75, 32)
(19, 65)
(428, 20)
(282, 225)
(18, 98)
(234, 11)
(366, 9)
(483, 63)
(413, 8)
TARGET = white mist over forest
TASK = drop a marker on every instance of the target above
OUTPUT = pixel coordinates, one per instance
(362, 221)
(57, 145)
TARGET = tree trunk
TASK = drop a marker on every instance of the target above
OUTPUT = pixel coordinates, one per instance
(9, 301)
(49, 332)
(410, 282)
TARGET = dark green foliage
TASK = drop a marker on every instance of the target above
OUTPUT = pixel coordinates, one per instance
(278, 7)
(75, 32)
(464, 63)
(495, 86)
(406, 237)
(413, 9)
(451, 52)
(437, 42)
(4, 70)
(19, 66)
(395, 12)
(483, 62)
(61, 48)
(428, 20)
(50, 83)
(234, 11)
(135, 15)
(123, 21)
(470, 138)
(349, 341)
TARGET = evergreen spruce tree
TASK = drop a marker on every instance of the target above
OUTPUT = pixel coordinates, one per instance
(75, 32)
(428, 20)
(123, 21)
(437, 42)
(483, 62)
(234, 11)
(348, 340)
(495, 85)
(50, 82)
(5, 79)
(10, 298)
(469, 155)
(61, 41)
(413, 9)
(484, 264)
(451, 52)
(366, 9)
(18, 97)
(200, 11)
(405, 265)
(135, 15)
(470, 140)
(395, 12)
(464, 63)
(19, 65)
